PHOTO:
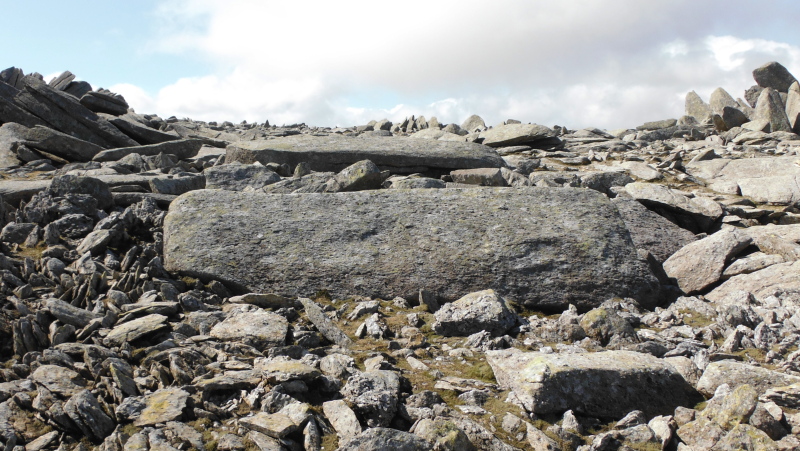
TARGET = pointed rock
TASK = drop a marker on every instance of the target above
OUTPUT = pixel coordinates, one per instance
(721, 99)
(770, 108)
(696, 107)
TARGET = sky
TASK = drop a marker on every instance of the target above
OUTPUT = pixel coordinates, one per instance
(576, 63)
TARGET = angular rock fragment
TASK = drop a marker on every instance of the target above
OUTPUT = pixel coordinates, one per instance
(475, 312)
(542, 247)
(601, 384)
(137, 328)
(163, 405)
(516, 135)
(259, 328)
(237, 177)
(184, 148)
(700, 264)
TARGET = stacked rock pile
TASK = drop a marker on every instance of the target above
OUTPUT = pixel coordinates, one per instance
(176, 284)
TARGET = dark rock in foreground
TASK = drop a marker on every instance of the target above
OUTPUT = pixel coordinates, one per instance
(542, 247)
(334, 153)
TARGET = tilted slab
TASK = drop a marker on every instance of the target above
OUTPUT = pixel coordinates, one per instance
(542, 247)
(600, 384)
(773, 180)
(334, 153)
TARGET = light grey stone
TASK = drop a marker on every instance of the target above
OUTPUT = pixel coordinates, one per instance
(334, 153)
(700, 264)
(259, 328)
(479, 311)
(601, 384)
(737, 373)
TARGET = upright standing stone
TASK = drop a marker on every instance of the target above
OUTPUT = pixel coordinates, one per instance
(721, 99)
(793, 107)
(770, 108)
(696, 107)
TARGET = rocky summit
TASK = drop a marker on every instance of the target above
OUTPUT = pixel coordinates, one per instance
(172, 284)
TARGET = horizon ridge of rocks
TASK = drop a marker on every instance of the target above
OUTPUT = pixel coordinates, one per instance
(179, 284)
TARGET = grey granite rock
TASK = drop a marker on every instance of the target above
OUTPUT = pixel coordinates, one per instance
(601, 384)
(475, 312)
(334, 153)
(541, 247)
(237, 177)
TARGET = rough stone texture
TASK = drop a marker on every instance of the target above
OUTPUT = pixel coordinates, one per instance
(69, 314)
(701, 212)
(770, 108)
(342, 418)
(475, 312)
(184, 148)
(480, 177)
(772, 180)
(72, 184)
(385, 438)
(334, 153)
(515, 135)
(324, 324)
(259, 328)
(473, 123)
(141, 133)
(737, 373)
(59, 380)
(700, 264)
(601, 384)
(696, 107)
(359, 176)
(163, 405)
(793, 106)
(237, 177)
(720, 99)
(137, 328)
(60, 144)
(541, 247)
(762, 283)
(773, 75)
(84, 410)
(651, 231)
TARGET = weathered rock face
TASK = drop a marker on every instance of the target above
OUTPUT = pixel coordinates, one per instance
(516, 134)
(334, 153)
(773, 75)
(602, 384)
(538, 246)
(774, 180)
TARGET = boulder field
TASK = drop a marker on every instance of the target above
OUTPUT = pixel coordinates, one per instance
(172, 284)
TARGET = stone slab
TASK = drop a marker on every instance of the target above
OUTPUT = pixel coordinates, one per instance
(334, 153)
(542, 247)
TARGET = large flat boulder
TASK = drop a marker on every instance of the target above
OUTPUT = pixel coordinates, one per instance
(334, 153)
(772, 180)
(601, 384)
(541, 247)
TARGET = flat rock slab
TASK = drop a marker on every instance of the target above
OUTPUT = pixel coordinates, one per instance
(773, 180)
(737, 373)
(259, 328)
(163, 405)
(334, 153)
(762, 283)
(600, 384)
(543, 247)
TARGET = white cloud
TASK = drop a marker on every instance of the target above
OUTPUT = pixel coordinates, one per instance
(578, 63)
